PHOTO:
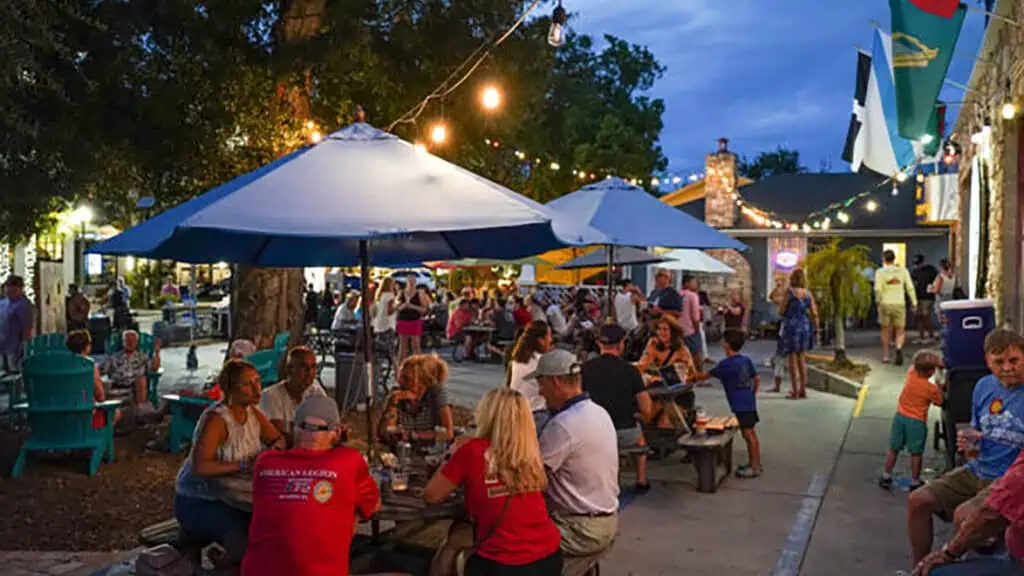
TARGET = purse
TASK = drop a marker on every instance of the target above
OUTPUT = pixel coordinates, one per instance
(463, 555)
(163, 560)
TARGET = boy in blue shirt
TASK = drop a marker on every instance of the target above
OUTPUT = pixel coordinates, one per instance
(739, 378)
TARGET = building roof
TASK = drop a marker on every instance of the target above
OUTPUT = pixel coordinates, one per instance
(694, 191)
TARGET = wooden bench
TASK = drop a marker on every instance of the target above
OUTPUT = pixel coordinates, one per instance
(170, 532)
(712, 457)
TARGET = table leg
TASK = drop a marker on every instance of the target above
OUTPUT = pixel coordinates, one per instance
(704, 463)
(374, 530)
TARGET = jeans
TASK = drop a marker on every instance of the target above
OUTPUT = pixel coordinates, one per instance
(548, 566)
(984, 566)
(209, 519)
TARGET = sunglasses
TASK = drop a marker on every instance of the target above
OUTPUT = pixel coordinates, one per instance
(309, 427)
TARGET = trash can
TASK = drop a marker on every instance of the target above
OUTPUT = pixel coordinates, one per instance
(967, 324)
(349, 379)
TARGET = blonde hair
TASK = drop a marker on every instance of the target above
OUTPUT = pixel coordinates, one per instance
(428, 370)
(386, 285)
(503, 416)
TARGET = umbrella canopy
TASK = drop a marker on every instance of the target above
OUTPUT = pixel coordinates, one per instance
(314, 206)
(632, 217)
(623, 256)
(695, 261)
(478, 262)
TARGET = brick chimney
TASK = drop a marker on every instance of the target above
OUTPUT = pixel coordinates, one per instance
(720, 185)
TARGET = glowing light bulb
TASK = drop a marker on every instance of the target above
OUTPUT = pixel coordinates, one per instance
(554, 166)
(420, 147)
(439, 133)
(842, 217)
(901, 176)
(491, 98)
(315, 137)
(310, 125)
(871, 205)
(1009, 111)
(655, 182)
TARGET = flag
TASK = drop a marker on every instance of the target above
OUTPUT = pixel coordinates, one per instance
(873, 141)
(924, 33)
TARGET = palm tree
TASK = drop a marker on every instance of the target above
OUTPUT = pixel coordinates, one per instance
(841, 289)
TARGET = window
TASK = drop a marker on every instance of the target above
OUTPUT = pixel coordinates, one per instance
(898, 248)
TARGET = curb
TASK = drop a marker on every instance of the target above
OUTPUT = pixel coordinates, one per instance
(825, 381)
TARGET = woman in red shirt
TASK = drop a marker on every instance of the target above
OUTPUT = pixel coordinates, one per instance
(503, 476)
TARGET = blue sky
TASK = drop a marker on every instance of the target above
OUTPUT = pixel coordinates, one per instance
(759, 72)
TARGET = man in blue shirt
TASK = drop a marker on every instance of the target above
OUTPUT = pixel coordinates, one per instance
(664, 299)
(997, 431)
(16, 324)
(739, 378)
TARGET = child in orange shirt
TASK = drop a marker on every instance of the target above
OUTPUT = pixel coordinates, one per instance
(910, 425)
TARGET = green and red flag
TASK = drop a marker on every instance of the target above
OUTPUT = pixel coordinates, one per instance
(924, 34)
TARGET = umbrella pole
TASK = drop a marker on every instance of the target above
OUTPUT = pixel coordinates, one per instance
(364, 288)
(610, 281)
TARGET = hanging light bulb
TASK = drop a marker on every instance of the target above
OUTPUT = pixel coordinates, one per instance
(420, 147)
(842, 217)
(901, 176)
(554, 166)
(490, 98)
(920, 177)
(676, 179)
(655, 182)
(315, 137)
(826, 224)
(871, 205)
(439, 133)
(556, 34)
(895, 189)
(1009, 111)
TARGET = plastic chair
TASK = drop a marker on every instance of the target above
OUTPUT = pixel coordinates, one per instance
(60, 409)
(281, 348)
(43, 343)
(265, 362)
(147, 345)
(185, 413)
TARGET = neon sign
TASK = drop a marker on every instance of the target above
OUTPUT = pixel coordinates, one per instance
(786, 260)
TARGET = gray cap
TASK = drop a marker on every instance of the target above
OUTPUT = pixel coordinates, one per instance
(318, 410)
(556, 362)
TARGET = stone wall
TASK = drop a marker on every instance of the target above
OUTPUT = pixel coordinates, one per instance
(1000, 63)
(720, 212)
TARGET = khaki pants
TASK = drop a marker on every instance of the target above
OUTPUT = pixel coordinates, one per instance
(956, 487)
(585, 535)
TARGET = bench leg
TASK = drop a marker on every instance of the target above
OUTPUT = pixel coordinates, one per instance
(704, 463)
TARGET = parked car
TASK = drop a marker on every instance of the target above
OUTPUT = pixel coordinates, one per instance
(423, 278)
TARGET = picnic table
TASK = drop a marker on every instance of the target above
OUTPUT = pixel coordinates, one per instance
(665, 440)
(712, 457)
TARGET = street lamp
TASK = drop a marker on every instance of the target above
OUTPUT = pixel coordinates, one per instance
(80, 217)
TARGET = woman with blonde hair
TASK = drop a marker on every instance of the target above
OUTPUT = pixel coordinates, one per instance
(384, 307)
(503, 477)
(420, 404)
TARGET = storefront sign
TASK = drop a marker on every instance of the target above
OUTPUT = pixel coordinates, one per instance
(786, 260)
(784, 254)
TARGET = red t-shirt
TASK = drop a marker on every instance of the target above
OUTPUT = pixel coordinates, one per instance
(522, 316)
(1007, 498)
(304, 506)
(526, 533)
(459, 319)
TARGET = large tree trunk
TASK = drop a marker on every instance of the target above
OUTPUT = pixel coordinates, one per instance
(270, 300)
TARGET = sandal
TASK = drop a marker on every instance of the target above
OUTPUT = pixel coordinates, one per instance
(748, 472)
(793, 396)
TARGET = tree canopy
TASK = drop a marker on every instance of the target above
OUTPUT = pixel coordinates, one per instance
(778, 161)
(109, 101)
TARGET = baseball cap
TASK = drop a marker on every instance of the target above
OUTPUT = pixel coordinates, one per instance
(317, 410)
(612, 334)
(555, 362)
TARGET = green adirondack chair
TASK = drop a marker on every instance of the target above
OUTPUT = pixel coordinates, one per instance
(265, 362)
(147, 345)
(60, 409)
(52, 342)
(185, 413)
(281, 348)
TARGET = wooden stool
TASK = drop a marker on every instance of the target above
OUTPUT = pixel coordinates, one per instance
(712, 457)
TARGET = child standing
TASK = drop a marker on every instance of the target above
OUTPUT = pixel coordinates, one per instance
(910, 425)
(739, 378)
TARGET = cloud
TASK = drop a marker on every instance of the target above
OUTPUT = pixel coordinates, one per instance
(760, 72)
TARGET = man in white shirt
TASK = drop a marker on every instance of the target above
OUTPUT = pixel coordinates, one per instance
(280, 401)
(556, 319)
(626, 302)
(579, 446)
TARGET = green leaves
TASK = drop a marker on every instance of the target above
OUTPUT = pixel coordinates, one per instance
(780, 161)
(838, 279)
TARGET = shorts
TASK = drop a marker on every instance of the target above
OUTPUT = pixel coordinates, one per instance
(693, 343)
(909, 433)
(925, 308)
(894, 315)
(629, 437)
(409, 327)
(747, 420)
(956, 487)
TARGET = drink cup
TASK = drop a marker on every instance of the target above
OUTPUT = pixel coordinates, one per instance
(400, 481)
(972, 443)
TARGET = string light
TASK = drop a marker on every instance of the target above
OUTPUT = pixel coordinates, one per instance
(920, 177)
(554, 166)
(655, 182)
(895, 189)
(901, 176)
(556, 34)
(310, 125)
(315, 137)
(439, 133)
(842, 217)
(871, 205)
(491, 98)
(420, 147)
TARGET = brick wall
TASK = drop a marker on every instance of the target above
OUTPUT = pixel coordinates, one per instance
(720, 212)
(1004, 63)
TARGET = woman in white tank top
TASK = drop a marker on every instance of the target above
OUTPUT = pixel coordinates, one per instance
(228, 437)
(944, 285)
